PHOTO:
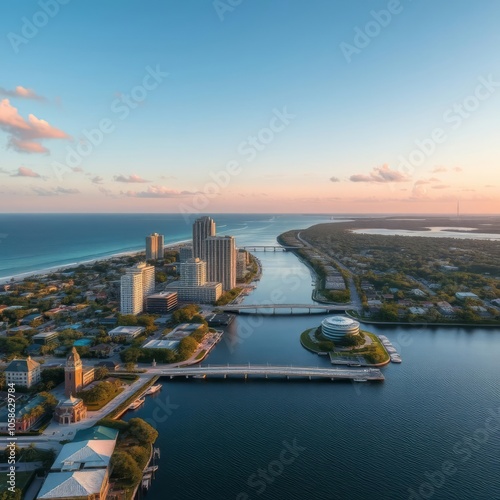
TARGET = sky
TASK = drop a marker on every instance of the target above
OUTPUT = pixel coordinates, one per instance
(273, 106)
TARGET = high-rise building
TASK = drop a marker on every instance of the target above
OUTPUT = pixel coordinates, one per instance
(136, 284)
(193, 272)
(203, 228)
(154, 246)
(241, 264)
(131, 297)
(185, 253)
(221, 260)
(193, 285)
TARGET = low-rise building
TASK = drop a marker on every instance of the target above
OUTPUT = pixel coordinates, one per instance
(45, 338)
(161, 303)
(466, 295)
(70, 411)
(445, 308)
(130, 332)
(23, 372)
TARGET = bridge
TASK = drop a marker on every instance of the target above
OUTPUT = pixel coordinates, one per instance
(254, 308)
(302, 372)
(270, 248)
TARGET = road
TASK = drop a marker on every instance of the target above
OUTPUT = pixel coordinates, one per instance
(355, 299)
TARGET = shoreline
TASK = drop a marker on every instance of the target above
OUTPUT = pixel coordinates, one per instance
(54, 269)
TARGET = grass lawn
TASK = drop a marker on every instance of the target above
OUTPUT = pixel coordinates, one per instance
(104, 402)
(201, 354)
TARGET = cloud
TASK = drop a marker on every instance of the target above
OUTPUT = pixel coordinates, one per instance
(131, 178)
(381, 174)
(441, 186)
(97, 180)
(25, 172)
(334, 179)
(439, 169)
(22, 92)
(24, 135)
(55, 191)
(107, 192)
(158, 192)
(457, 169)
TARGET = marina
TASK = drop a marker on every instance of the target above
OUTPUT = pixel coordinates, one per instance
(138, 402)
(391, 350)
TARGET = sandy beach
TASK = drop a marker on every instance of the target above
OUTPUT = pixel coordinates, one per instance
(53, 269)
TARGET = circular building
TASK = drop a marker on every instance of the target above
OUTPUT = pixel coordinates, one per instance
(337, 327)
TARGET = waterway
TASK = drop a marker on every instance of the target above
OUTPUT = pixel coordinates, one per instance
(351, 441)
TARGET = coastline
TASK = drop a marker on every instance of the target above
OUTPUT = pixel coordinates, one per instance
(54, 269)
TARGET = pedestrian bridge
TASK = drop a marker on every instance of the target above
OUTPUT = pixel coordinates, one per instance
(266, 371)
(298, 308)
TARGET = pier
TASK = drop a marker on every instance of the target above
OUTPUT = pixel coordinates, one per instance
(266, 371)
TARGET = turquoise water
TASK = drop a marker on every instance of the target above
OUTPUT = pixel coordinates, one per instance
(31, 242)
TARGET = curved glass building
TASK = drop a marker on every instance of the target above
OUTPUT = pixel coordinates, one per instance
(337, 327)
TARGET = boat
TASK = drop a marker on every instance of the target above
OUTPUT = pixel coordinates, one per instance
(136, 404)
(360, 380)
(395, 358)
(153, 389)
(151, 468)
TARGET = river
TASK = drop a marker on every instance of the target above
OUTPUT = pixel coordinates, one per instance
(426, 432)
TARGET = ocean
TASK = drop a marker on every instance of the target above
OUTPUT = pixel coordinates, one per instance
(34, 242)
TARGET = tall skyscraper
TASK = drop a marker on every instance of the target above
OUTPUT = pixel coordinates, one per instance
(154, 246)
(203, 228)
(221, 260)
(136, 284)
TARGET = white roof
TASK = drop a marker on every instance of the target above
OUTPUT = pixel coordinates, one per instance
(92, 453)
(72, 484)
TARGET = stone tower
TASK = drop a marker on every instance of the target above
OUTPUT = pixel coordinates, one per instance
(73, 374)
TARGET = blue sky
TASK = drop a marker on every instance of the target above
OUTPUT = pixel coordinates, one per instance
(353, 120)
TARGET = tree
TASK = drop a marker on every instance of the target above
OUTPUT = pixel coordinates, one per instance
(125, 467)
(101, 372)
(142, 431)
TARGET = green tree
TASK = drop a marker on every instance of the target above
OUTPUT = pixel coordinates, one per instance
(125, 467)
(142, 431)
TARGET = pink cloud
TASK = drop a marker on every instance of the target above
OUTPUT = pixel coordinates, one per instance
(22, 92)
(131, 178)
(381, 174)
(25, 172)
(25, 135)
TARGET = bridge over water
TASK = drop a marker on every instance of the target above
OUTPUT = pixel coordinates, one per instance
(270, 248)
(287, 372)
(299, 308)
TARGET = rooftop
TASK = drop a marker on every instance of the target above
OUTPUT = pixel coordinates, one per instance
(72, 484)
(22, 365)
